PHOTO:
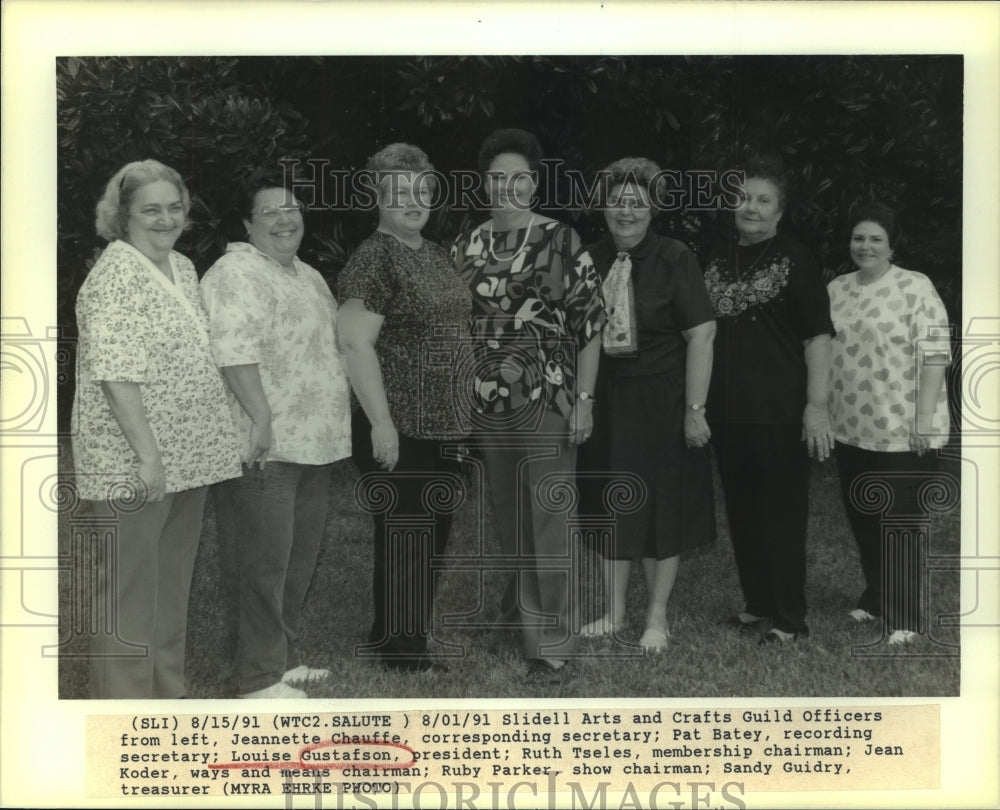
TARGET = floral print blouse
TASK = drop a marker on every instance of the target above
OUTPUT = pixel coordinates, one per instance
(768, 299)
(136, 326)
(283, 320)
(886, 332)
(423, 347)
(532, 313)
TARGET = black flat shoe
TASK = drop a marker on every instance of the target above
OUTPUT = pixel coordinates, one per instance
(541, 672)
(775, 636)
(423, 664)
(755, 626)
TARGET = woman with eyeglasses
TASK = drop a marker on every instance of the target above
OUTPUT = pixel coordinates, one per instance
(153, 429)
(649, 411)
(273, 321)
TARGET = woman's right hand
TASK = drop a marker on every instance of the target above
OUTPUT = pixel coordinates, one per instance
(385, 444)
(260, 442)
(154, 477)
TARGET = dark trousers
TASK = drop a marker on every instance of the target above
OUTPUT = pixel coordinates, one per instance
(280, 514)
(765, 480)
(888, 544)
(409, 534)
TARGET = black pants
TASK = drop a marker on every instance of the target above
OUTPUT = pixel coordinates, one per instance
(765, 480)
(409, 533)
(889, 545)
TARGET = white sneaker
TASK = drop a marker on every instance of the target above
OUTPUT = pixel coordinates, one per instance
(274, 691)
(861, 615)
(901, 637)
(304, 674)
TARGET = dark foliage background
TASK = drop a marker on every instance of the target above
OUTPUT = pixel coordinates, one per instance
(849, 128)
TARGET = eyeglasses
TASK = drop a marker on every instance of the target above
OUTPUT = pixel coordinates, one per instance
(270, 213)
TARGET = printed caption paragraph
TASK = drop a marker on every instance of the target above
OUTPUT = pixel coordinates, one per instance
(372, 754)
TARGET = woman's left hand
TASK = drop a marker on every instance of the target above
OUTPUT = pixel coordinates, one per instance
(696, 429)
(581, 421)
(816, 432)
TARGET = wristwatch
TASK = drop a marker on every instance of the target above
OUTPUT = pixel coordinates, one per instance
(584, 396)
(695, 406)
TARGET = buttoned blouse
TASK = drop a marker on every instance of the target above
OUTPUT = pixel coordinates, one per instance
(886, 331)
(670, 297)
(282, 319)
(137, 326)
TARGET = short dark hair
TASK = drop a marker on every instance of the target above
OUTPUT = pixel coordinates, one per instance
(517, 141)
(767, 167)
(257, 181)
(881, 214)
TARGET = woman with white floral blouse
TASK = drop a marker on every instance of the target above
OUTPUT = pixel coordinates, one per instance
(273, 321)
(153, 429)
(889, 410)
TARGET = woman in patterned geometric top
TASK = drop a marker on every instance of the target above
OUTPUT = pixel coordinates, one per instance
(537, 318)
(889, 409)
(154, 429)
(273, 319)
(767, 402)
(404, 327)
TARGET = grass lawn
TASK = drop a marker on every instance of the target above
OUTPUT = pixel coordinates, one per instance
(704, 659)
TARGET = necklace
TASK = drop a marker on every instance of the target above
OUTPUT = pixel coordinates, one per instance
(524, 242)
(755, 262)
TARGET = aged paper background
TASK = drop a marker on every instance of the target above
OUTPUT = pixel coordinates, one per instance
(42, 738)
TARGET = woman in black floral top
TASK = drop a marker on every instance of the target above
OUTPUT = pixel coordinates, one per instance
(538, 314)
(767, 400)
(403, 327)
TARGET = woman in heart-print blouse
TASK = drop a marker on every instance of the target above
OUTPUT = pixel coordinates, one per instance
(889, 410)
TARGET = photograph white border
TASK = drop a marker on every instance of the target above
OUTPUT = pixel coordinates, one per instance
(42, 737)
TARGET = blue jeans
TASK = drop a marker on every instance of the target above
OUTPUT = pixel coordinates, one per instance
(280, 516)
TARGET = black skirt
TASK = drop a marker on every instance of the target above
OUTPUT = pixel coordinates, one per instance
(643, 492)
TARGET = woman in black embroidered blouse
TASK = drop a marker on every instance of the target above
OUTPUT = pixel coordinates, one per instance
(403, 327)
(767, 400)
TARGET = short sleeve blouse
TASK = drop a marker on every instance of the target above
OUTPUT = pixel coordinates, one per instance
(423, 347)
(136, 326)
(768, 299)
(283, 320)
(670, 297)
(886, 332)
(531, 314)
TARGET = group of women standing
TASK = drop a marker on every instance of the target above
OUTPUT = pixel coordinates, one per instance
(617, 363)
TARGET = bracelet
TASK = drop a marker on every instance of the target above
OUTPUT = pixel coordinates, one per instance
(585, 396)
